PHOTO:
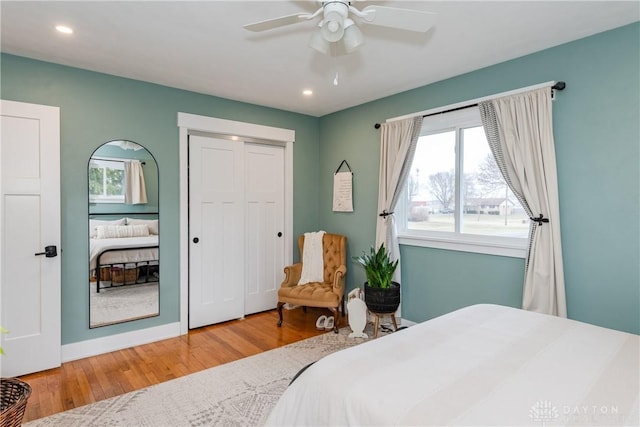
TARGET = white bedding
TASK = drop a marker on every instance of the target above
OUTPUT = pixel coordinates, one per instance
(481, 365)
(97, 246)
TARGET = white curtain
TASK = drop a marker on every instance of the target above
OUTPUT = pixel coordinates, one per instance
(397, 147)
(135, 191)
(520, 133)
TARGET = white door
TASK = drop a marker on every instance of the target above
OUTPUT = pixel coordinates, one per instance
(264, 229)
(30, 221)
(216, 231)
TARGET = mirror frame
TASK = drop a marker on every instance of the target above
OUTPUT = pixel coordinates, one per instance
(132, 276)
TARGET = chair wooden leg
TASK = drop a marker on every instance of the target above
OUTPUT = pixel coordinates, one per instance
(280, 305)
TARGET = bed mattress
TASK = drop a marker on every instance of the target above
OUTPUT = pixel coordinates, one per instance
(481, 365)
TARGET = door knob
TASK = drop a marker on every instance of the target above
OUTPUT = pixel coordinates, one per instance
(49, 252)
(196, 240)
(279, 233)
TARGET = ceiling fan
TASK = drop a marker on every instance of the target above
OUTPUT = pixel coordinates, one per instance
(338, 27)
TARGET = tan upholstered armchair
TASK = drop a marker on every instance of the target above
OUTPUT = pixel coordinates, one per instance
(330, 293)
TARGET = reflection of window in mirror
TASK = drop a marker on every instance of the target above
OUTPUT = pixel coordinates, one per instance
(106, 181)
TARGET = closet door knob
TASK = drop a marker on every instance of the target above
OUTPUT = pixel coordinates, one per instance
(196, 240)
(279, 233)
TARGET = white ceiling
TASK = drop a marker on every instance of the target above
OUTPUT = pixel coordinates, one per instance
(201, 46)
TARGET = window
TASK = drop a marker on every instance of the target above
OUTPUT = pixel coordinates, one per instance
(106, 181)
(455, 196)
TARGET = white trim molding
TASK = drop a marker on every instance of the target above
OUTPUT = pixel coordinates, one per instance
(241, 131)
(469, 243)
(96, 346)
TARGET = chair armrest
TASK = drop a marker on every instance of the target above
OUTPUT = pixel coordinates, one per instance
(292, 275)
(339, 280)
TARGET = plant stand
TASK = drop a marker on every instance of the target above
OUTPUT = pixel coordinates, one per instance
(14, 395)
(376, 321)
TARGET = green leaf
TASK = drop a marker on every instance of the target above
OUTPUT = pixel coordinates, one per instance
(378, 267)
(2, 331)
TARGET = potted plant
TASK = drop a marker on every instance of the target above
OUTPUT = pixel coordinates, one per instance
(381, 293)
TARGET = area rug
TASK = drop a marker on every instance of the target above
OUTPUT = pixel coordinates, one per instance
(240, 393)
(119, 304)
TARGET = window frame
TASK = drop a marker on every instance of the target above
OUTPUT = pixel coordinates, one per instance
(107, 164)
(455, 240)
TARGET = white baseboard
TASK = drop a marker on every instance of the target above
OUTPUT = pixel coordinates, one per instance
(94, 347)
(405, 322)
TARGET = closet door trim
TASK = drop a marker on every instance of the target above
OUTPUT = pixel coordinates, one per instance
(191, 124)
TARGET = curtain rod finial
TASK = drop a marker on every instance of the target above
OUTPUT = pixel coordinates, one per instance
(377, 126)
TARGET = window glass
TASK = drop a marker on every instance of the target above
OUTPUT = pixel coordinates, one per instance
(106, 181)
(455, 191)
(489, 206)
(432, 183)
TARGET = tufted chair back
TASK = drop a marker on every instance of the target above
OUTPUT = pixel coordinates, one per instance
(334, 253)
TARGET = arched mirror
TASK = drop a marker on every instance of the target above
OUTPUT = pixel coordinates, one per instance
(124, 234)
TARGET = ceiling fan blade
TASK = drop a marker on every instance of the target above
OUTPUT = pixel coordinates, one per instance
(269, 24)
(404, 19)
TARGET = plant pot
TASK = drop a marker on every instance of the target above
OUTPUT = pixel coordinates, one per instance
(382, 300)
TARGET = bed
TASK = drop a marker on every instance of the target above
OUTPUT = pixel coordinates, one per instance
(480, 365)
(123, 252)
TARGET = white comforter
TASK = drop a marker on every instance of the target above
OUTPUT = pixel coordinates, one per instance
(97, 246)
(481, 365)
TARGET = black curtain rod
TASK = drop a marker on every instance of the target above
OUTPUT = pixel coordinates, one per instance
(557, 86)
(116, 160)
(123, 213)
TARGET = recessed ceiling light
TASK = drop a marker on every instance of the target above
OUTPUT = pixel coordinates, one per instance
(307, 92)
(64, 29)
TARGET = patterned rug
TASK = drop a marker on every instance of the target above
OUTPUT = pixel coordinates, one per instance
(240, 393)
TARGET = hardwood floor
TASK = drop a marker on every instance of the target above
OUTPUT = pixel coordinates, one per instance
(96, 378)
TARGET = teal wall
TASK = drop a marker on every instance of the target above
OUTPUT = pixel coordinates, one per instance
(597, 146)
(96, 108)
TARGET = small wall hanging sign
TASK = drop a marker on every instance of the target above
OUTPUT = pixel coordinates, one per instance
(343, 189)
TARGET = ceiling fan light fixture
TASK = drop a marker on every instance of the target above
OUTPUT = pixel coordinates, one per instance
(317, 40)
(333, 26)
(352, 38)
(338, 28)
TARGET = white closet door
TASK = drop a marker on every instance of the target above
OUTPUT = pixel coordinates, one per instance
(30, 221)
(216, 231)
(264, 207)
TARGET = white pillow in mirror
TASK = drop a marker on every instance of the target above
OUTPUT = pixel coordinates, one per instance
(94, 223)
(120, 231)
(151, 223)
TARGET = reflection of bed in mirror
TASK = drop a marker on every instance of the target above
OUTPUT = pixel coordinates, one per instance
(123, 253)
(124, 261)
